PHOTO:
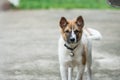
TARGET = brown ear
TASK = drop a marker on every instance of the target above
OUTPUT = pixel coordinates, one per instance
(80, 21)
(63, 22)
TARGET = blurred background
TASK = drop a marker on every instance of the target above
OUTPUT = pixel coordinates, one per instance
(29, 33)
(58, 4)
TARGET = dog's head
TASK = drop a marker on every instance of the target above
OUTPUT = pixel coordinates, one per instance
(71, 30)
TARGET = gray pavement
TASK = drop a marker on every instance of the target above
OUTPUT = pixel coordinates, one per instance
(28, 43)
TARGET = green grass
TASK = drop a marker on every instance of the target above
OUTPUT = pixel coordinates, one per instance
(66, 4)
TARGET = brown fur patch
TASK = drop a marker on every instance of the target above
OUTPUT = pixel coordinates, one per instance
(84, 55)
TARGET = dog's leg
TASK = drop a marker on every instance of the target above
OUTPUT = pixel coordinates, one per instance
(89, 60)
(64, 72)
(80, 72)
(89, 72)
(70, 71)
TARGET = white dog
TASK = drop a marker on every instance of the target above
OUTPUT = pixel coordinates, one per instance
(75, 48)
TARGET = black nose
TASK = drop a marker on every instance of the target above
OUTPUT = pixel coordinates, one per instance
(72, 39)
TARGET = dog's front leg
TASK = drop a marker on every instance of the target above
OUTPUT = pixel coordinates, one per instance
(70, 71)
(89, 72)
(80, 72)
(64, 72)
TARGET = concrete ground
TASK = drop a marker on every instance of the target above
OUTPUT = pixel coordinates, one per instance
(28, 43)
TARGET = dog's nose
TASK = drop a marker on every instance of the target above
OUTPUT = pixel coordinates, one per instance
(72, 39)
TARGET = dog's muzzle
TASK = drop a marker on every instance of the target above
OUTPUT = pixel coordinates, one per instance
(72, 37)
(72, 40)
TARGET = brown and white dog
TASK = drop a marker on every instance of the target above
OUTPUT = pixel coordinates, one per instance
(74, 48)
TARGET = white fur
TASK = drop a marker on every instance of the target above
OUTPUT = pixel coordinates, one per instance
(93, 34)
(73, 35)
(67, 63)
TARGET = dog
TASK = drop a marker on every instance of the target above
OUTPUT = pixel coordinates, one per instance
(75, 48)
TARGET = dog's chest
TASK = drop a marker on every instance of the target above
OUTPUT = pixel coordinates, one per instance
(76, 59)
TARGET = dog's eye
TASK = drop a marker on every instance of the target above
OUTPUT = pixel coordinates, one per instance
(76, 31)
(67, 31)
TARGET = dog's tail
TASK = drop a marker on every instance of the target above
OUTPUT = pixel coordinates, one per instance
(93, 34)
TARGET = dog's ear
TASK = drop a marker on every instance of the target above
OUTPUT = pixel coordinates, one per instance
(63, 22)
(80, 21)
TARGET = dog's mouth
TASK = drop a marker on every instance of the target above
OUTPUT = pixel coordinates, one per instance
(72, 41)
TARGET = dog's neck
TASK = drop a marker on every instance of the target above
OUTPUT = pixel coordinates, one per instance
(72, 47)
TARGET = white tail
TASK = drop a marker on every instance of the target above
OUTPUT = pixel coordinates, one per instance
(92, 34)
